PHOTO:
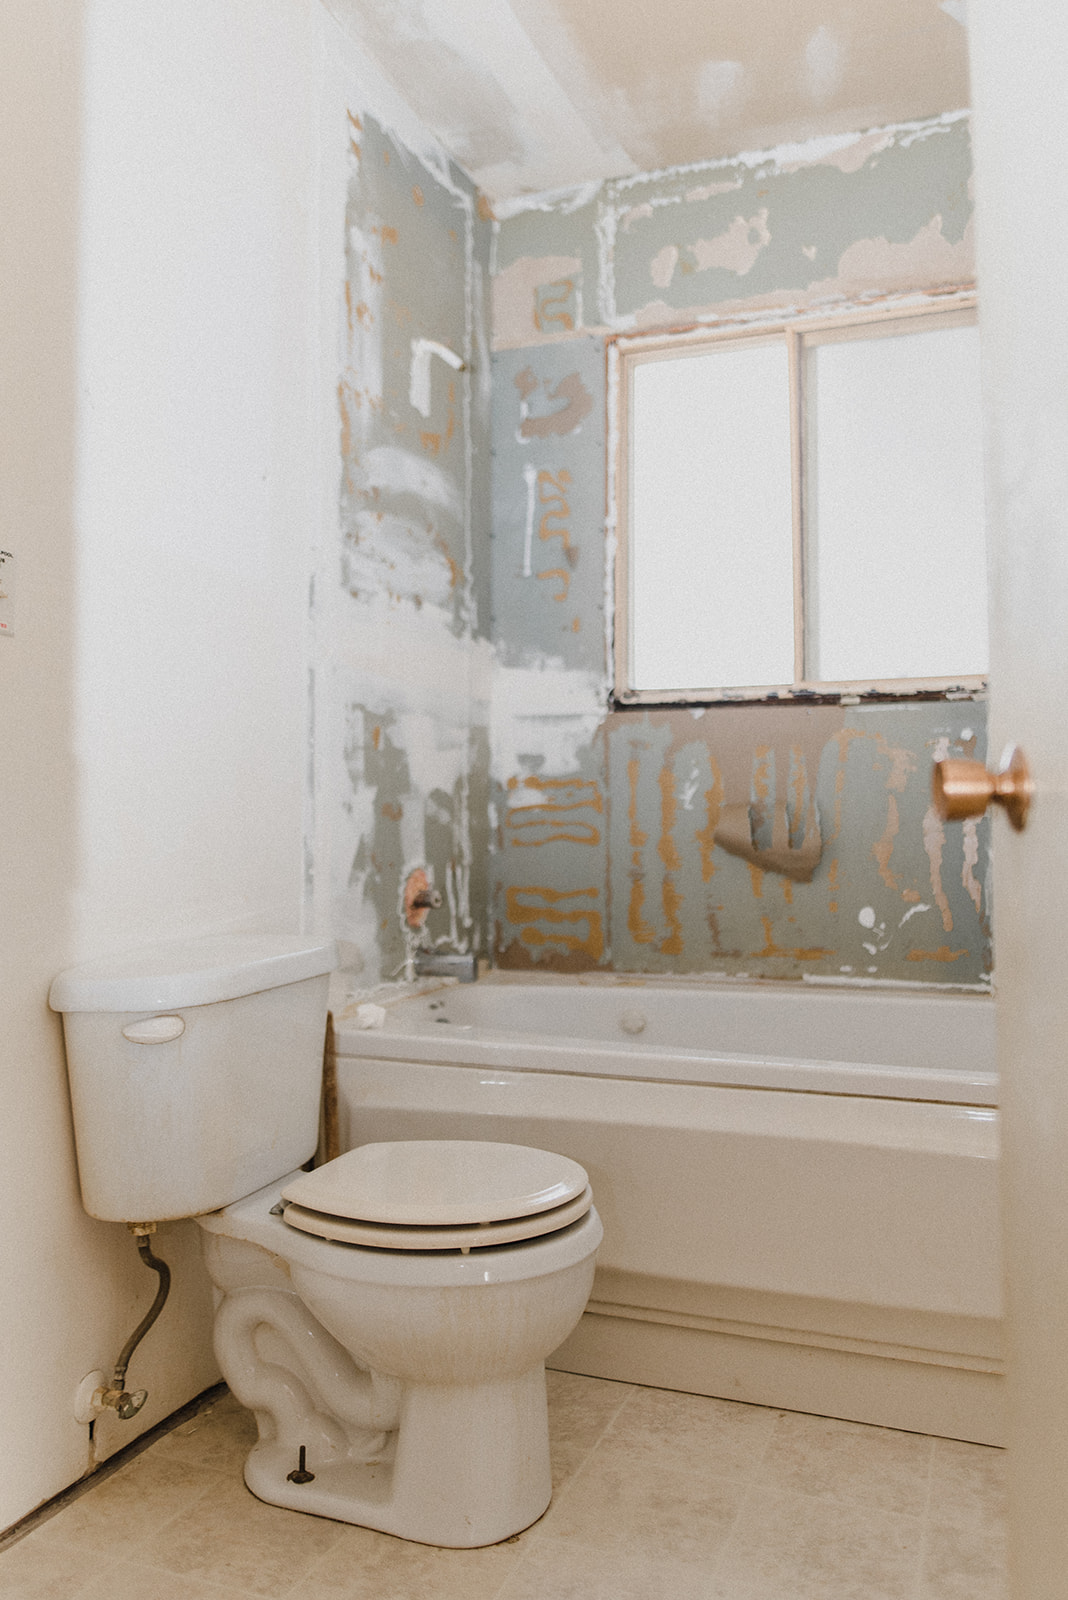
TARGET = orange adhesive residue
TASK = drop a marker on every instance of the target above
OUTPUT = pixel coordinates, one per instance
(706, 835)
(561, 576)
(530, 906)
(666, 848)
(762, 773)
(671, 900)
(638, 839)
(344, 398)
(568, 818)
(883, 848)
(799, 783)
(574, 401)
(971, 883)
(934, 839)
(550, 306)
(440, 543)
(641, 931)
(357, 125)
(773, 949)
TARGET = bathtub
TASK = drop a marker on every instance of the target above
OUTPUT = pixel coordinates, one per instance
(798, 1184)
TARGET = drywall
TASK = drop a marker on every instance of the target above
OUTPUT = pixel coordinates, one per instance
(647, 841)
(402, 607)
(531, 95)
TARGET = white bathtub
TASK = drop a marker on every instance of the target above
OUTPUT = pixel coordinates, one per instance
(798, 1185)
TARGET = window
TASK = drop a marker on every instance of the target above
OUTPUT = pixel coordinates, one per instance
(801, 510)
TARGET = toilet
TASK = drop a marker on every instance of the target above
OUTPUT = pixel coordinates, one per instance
(387, 1315)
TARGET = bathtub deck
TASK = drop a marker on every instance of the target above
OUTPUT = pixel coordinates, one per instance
(656, 1494)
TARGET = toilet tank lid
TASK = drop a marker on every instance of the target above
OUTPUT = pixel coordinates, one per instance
(190, 972)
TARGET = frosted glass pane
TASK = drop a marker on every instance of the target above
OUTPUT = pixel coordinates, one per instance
(710, 543)
(895, 508)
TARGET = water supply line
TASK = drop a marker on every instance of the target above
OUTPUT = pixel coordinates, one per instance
(115, 1397)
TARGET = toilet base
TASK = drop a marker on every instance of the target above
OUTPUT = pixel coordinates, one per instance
(470, 1466)
(413, 1381)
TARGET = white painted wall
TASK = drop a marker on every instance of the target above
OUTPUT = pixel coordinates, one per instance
(173, 183)
(160, 427)
(197, 483)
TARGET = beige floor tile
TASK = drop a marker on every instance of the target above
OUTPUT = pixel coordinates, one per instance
(363, 1565)
(964, 1564)
(723, 1437)
(131, 1504)
(967, 1484)
(849, 1461)
(126, 1580)
(565, 1460)
(788, 1546)
(234, 1540)
(580, 1409)
(43, 1569)
(655, 1510)
(660, 1496)
(563, 1570)
(219, 1437)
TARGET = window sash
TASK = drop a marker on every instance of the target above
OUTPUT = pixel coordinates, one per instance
(801, 337)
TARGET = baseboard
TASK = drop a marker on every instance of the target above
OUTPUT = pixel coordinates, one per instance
(917, 1391)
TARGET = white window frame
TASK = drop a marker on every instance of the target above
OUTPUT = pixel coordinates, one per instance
(943, 310)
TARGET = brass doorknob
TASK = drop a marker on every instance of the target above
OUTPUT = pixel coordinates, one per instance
(961, 789)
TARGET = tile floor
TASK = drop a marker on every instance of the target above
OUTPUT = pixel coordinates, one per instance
(657, 1494)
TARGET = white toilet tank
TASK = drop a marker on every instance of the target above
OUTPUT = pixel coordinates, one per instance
(195, 1070)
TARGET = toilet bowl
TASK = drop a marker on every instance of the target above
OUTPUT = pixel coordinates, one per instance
(386, 1316)
(412, 1378)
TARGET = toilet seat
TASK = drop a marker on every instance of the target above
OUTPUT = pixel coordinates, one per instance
(386, 1236)
(438, 1195)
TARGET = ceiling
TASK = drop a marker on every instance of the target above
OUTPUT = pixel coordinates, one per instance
(530, 95)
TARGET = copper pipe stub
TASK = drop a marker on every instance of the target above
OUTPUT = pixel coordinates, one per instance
(962, 789)
(419, 898)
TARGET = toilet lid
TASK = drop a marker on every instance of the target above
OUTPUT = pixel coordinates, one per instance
(436, 1183)
(392, 1236)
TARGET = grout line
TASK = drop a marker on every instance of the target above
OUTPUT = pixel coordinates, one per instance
(539, 1531)
(609, 1422)
(750, 1489)
(150, 1570)
(767, 1442)
(752, 1486)
(925, 1522)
